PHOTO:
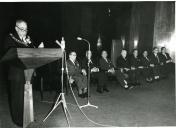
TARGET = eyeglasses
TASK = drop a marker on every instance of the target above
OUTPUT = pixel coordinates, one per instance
(23, 30)
(73, 54)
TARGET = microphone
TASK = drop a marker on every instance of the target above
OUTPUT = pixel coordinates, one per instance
(57, 42)
(62, 44)
(79, 38)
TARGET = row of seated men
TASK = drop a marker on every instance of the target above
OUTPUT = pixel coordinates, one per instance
(154, 67)
(125, 73)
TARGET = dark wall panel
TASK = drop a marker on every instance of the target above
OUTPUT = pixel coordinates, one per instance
(142, 25)
(7, 18)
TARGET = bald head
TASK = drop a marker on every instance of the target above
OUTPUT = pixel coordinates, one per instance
(21, 28)
(124, 53)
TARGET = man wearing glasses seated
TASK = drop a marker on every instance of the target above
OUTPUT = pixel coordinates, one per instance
(77, 74)
(16, 77)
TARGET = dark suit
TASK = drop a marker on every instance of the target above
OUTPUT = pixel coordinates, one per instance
(134, 74)
(165, 67)
(100, 76)
(145, 62)
(84, 64)
(106, 65)
(123, 63)
(74, 71)
(154, 59)
(17, 80)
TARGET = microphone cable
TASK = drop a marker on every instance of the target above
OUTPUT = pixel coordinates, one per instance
(77, 104)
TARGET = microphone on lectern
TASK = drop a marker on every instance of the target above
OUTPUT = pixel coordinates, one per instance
(62, 43)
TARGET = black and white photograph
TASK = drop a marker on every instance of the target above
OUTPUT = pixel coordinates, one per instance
(87, 64)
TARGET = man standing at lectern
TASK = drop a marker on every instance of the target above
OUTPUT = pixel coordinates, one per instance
(16, 77)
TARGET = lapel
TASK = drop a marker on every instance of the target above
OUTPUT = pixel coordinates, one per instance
(91, 62)
(156, 56)
(165, 55)
(17, 36)
(147, 58)
(105, 60)
(72, 63)
(124, 59)
(75, 64)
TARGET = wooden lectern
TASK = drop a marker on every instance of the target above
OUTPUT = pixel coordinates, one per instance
(28, 59)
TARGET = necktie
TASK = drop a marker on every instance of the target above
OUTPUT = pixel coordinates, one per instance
(73, 62)
(157, 58)
(90, 61)
(106, 60)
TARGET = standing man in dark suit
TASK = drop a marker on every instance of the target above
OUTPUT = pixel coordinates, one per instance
(77, 74)
(16, 77)
(107, 67)
(145, 64)
(155, 63)
(94, 72)
(165, 61)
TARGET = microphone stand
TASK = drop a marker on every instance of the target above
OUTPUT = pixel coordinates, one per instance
(61, 97)
(88, 81)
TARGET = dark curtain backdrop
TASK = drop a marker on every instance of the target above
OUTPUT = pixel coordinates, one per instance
(49, 21)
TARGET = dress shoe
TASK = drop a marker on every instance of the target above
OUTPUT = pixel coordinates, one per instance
(81, 95)
(99, 91)
(149, 80)
(125, 86)
(106, 90)
(130, 87)
(86, 94)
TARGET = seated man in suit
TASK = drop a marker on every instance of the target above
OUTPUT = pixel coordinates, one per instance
(16, 75)
(107, 67)
(94, 72)
(155, 63)
(135, 67)
(165, 61)
(124, 65)
(145, 64)
(77, 74)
